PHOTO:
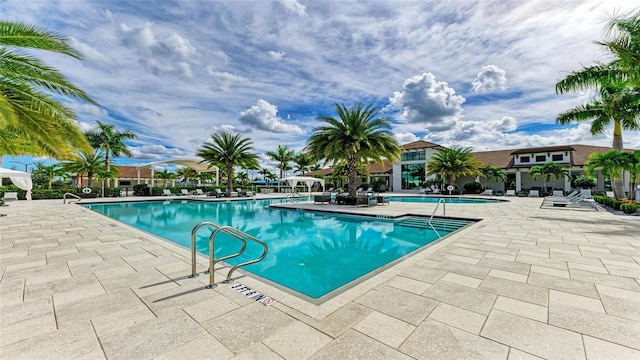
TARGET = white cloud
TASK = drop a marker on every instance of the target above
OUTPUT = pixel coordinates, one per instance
(427, 101)
(294, 6)
(491, 78)
(225, 80)
(88, 109)
(155, 152)
(92, 54)
(277, 54)
(405, 137)
(170, 54)
(264, 116)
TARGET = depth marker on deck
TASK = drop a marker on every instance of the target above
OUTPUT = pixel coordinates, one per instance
(253, 294)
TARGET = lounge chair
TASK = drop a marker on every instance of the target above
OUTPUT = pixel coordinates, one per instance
(359, 190)
(166, 192)
(198, 192)
(487, 192)
(421, 190)
(367, 200)
(610, 194)
(534, 193)
(586, 193)
(559, 193)
(324, 198)
(511, 193)
(184, 192)
(218, 193)
(369, 190)
(10, 196)
(382, 200)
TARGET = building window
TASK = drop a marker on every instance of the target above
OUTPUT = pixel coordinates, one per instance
(541, 158)
(125, 182)
(414, 155)
(413, 175)
(557, 157)
(524, 159)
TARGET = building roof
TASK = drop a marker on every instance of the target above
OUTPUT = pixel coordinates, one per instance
(543, 149)
(132, 172)
(504, 158)
(420, 144)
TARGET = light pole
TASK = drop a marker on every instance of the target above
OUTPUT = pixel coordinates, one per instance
(26, 165)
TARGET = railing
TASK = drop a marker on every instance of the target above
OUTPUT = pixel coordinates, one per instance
(64, 197)
(444, 212)
(240, 235)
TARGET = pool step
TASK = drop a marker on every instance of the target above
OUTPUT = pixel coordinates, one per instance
(446, 225)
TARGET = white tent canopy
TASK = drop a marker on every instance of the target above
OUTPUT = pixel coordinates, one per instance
(307, 180)
(20, 179)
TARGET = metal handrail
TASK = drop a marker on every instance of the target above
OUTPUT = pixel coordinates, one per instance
(64, 197)
(444, 212)
(231, 231)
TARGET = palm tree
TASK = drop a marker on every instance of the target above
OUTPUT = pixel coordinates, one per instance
(632, 165)
(228, 150)
(357, 137)
(453, 163)
(611, 164)
(85, 163)
(493, 173)
(625, 44)
(165, 175)
(110, 140)
(303, 162)
(186, 173)
(242, 178)
(102, 175)
(49, 172)
(283, 155)
(34, 120)
(549, 172)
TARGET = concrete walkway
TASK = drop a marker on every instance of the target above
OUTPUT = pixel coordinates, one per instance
(523, 283)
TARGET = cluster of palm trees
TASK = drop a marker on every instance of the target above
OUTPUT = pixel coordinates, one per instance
(617, 83)
(615, 163)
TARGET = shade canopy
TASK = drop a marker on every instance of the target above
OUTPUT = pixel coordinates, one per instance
(20, 179)
(307, 180)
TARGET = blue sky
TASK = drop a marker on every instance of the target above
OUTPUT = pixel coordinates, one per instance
(457, 73)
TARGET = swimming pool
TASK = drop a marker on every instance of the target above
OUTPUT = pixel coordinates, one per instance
(311, 253)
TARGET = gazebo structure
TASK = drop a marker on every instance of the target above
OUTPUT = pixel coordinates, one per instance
(196, 164)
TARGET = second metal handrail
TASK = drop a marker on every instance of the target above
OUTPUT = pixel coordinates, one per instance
(240, 235)
(64, 197)
(444, 212)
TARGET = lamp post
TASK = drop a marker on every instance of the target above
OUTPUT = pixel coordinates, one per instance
(26, 165)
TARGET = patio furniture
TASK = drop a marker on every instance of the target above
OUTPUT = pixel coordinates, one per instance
(324, 198)
(382, 200)
(510, 193)
(534, 193)
(487, 192)
(166, 192)
(10, 196)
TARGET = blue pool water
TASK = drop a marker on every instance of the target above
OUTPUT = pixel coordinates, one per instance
(312, 253)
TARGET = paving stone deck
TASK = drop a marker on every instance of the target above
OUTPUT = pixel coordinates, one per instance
(523, 283)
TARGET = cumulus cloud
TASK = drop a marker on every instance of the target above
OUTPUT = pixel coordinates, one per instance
(277, 54)
(88, 109)
(491, 78)
(405, 137)
(264, 116)
(91, 54)
(294, 6)
(427, 101)
(170, 54)
(155, 152)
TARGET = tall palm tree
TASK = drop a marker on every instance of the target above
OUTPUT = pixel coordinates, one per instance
(610, 164)
(85, 163)
(242, 178)
(453, 163)
(33, 119)
(110, 140)
(102, 175)
(283, 156)
(632, 165)
(356, 137)
(186, 173)
(549, 172)
(624, 43)
(228, 150)
(49, 172)
(302, 162)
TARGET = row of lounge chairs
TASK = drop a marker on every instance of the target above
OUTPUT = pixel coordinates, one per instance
(217, 193)
(362, 199)
(574, 200)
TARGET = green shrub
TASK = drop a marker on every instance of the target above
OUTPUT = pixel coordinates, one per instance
(473, 187)
(585, 182)
(629, 208)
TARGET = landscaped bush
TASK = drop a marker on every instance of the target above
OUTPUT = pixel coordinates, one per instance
(472, 187)
(629, 208)
(584, 182)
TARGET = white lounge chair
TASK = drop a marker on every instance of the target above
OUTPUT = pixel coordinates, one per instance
(421, 190)
(166, 192)
(184, 192)
(558, 193)
(586, 193)
(10, 196)
(487, 192)
(218, 193)
(199, 192)
(510, 193)
(610, 194)
(534, 193)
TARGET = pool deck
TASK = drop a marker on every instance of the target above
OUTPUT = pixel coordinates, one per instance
(523, 283)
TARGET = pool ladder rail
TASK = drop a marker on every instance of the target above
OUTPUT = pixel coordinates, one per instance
(64, 198)
(233, 232)
(444, 212)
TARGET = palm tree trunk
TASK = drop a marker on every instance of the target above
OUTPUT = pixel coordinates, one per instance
(351, 172)
(230, 178)
(107, 166)
(617, 183)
